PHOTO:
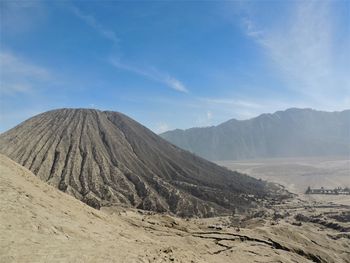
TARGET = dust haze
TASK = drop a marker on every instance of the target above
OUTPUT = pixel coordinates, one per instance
(174, 131)
(296, 174)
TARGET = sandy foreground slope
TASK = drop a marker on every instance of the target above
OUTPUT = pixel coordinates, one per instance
(38, 223)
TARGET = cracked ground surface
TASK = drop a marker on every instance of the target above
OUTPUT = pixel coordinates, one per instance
(38, 223)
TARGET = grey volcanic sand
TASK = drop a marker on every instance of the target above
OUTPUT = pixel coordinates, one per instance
(38, 223)
(106, 158)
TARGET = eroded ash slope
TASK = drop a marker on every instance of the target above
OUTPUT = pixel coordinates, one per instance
(106, 158)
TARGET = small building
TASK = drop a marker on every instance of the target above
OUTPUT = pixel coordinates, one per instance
(324, 191)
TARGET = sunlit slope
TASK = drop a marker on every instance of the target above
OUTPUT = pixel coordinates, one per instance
(106, 158)
(38, 223)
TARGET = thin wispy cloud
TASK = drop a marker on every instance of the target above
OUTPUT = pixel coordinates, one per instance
(14, 65)
(244, 108)
(231, 102)
(18, 17)
(251, 29)
(216, 110)
(161, 127)
(152, 74)
(204, 119)
(303, 51)
(15, 88)
(17, 75)
(22, 83)
(92, 22)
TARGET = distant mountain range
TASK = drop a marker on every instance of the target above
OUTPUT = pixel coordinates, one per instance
(105, 158)
(290, 133)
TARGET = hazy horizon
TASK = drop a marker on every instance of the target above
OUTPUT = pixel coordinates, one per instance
(175, 128)
(175, 131)
(221, 60)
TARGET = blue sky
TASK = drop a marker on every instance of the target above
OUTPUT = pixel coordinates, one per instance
(173, 64)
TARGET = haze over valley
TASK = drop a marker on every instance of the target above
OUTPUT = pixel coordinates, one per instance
(139, 187)
(297, 148)
(174, 131)
(297, 174)
(290, 133)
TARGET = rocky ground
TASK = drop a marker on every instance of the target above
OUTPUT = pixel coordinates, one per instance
(38, 223)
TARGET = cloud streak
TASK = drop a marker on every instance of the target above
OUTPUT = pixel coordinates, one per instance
(303, 51)
(153, 75)
(161, 127)
(18, 75)
(231, 102)
(92, 22)
(244, 108)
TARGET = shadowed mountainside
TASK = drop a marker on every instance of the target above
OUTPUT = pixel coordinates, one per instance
(106, 158)
(290, 133)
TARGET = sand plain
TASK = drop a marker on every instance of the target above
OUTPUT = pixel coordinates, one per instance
(296, 174)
